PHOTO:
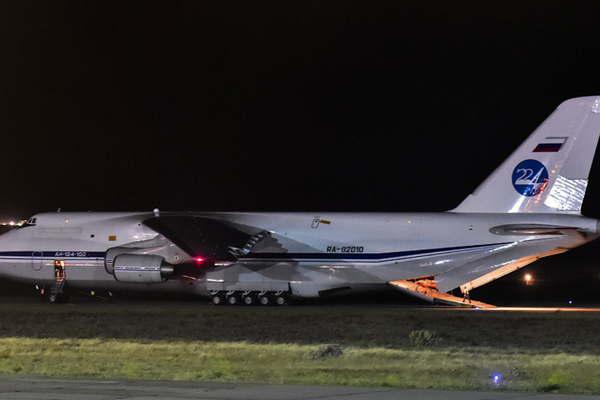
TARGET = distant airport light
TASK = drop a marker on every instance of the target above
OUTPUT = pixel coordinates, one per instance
(570, 301)
(497, 379)
(528, 278)
(13, 222)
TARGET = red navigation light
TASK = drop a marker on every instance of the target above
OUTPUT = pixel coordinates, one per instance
(199, 260)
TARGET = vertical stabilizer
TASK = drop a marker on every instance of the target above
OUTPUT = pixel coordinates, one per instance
(549, 172)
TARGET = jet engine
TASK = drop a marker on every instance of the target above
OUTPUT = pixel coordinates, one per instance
(141, 268)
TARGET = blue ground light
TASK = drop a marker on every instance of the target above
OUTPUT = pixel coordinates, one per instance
(497, 378)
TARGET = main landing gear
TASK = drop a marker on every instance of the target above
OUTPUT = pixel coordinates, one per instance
(56, 292)
(249, 298)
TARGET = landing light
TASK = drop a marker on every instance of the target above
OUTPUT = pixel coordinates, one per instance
(528, 278)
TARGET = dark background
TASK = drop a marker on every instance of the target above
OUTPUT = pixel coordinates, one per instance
(371, 106)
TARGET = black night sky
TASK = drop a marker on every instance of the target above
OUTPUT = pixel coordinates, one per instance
(341, 106)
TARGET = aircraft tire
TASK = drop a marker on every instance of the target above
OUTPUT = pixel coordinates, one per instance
(217, 300)
(264, 300)
(56, 298)
(248, 300)
(280, 300)
(232, 300)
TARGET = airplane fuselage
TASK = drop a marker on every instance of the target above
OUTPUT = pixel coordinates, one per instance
(528, 208)
(322, 252)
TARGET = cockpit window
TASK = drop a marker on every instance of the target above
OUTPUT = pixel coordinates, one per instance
(31, 221)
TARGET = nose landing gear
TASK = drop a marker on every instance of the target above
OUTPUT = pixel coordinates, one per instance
(56, 292)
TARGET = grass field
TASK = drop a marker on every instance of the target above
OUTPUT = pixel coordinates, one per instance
(191, 341)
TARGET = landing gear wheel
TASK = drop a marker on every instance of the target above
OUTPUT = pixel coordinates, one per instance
(57, 298)
(264, 300)
(43, 294)
(217, 300)
(248, 300)
(232, 300)
(280, 300)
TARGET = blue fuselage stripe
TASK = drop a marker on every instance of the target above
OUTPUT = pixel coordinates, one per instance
(361, 256)
(52, 254)
(366, 257)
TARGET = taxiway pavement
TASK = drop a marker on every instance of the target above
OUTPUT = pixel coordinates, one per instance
(55, 389)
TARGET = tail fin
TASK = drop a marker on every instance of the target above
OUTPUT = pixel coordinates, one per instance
(549, 172)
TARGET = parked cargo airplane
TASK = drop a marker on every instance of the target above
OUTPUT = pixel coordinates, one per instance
(527, 209)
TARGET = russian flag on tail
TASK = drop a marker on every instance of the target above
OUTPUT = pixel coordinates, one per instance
(551, 144)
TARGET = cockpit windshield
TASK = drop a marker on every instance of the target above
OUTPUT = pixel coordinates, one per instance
(30, 222)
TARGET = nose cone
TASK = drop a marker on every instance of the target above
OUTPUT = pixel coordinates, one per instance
(16, 261)
(7, 237)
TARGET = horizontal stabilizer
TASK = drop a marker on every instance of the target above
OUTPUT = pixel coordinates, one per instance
(534, 229)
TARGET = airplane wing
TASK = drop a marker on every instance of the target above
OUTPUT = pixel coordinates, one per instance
(211, 238)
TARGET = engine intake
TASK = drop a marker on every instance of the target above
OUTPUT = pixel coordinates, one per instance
(141, 268)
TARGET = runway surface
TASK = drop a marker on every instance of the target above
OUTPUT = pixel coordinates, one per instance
(54, 389)
(519, 309)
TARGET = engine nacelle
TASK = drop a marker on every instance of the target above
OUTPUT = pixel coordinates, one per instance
(141, 268)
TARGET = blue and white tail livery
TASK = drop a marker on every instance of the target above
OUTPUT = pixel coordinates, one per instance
(527, 209)
(549, 172)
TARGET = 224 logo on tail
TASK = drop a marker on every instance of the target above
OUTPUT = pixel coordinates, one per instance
(530, 177)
